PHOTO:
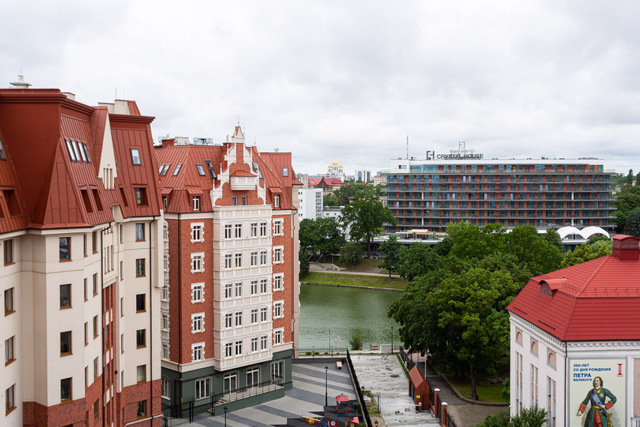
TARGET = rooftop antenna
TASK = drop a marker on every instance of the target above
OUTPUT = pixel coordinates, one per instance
(20, 84)
(407, 147)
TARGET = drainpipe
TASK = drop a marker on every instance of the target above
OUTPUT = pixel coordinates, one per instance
(102, 318)
(151, 317)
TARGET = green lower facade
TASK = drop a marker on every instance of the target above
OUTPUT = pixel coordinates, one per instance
(206, 389)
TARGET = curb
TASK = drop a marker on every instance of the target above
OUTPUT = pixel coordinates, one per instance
(466, 399)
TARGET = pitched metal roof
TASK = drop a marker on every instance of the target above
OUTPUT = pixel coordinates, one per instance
(595, 300)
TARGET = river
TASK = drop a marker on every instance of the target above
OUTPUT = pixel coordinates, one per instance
(329, 313)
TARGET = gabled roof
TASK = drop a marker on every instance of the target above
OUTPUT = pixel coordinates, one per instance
(593, 301)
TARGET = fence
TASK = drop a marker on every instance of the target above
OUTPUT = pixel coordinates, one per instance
(356, 385)
(437, 409)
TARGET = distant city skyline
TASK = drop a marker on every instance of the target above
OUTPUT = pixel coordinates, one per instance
(351, 80)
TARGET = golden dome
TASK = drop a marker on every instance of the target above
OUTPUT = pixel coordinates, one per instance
(335, 162)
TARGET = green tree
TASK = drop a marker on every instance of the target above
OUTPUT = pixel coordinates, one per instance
(586, 252)
(304, 263)
(632, 227)
(627, 200)
(629, 180)
(320, 236)
(347, 192)
(460, 318)
(329, 199)
(351, 252)
(308, 236)
(530, 417)
(365, 216)
(416, 260)
(552, 237)
(391, 249)
(531, 249)
(471, 241)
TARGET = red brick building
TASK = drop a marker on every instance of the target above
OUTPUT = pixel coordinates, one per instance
(229, 319)
(80, 234)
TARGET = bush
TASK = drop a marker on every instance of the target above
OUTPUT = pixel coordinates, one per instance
(355, 342)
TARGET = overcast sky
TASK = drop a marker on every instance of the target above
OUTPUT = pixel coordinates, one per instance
(350, 80)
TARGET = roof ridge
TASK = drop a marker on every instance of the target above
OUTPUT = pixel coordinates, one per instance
(593, 274)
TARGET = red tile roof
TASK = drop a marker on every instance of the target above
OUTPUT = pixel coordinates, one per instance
(570, 302)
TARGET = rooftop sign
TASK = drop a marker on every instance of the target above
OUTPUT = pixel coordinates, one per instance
(454, 155)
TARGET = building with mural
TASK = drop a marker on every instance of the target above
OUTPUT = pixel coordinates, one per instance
(577, 330)
(80, 281)
(463, 186)
(230, 318)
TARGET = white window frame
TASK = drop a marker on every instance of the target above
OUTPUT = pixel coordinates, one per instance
(197, 292)
(237, 290)
(264, 257)
(254, 287)
(254, 229)
(228, 231)
(228, 349)
(238, 348)
(228, 261)
(264, 286)
(238, 318)
(278, 255)
(228, 320)
(276, 201)
(237, 231)
(197, 323)
(264, 314)
(228, 290)
(203, 388)
(263, 229)
(237, 258)
(278, 336)
(254, 258)
(197, 262)
(254, 344)
(278, 282)
(278, 227)
(254, 316)
(196, 203)
(264, 342)
(278, 309)
(197, 232)
(197, 352)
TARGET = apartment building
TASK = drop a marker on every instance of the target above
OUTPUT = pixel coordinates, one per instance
(230, 316)
(311, 203)
(444, 188)
(80, 230)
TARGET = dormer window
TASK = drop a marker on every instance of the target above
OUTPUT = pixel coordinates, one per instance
(200, 170)
(86, 150)
(72, 153)
(135, 156)
(165, 169)
(81, 150)
(177, 169)
(3, 156)
(285, 171)
(276, 201)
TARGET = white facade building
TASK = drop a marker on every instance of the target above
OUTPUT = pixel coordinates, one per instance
(311, 203)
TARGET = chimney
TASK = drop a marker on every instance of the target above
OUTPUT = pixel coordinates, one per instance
(625, 248)
(168, 142)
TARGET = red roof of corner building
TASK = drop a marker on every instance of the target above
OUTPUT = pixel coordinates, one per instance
(593, 301)
(313, 182)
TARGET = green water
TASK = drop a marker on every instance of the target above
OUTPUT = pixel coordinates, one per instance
(328, 313)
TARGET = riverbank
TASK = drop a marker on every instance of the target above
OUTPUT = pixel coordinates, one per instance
(356, 279)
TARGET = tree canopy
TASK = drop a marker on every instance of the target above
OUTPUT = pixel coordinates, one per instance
(392, 250)
(627, 201)
(416, 260)
(365, 216)
(321, 236)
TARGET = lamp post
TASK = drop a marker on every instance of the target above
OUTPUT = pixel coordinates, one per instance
(326, 395)
(376, 422)
(225, 415)
(378, 402)
(392, 340)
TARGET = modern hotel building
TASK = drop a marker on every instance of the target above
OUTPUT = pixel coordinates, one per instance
(462, 186)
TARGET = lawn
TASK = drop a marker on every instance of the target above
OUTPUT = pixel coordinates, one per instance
(355, 280)
(490, 393)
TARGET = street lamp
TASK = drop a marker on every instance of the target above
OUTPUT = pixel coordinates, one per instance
(225, 415)
(376, 422)
(392, 340)
(326, 395)
(378, 402)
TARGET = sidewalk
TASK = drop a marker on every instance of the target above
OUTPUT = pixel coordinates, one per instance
(330, 268)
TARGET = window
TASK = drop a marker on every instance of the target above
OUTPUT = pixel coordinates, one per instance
(196, 203)
(263, 314)
(228, 290)
(244, 200)
(64, 248)
(263, 257)
(86, 333)
(141, 338)
(228, 349)
(238, 231)
(165, 350)
(238, 258)
(202, 388)
(228, 320)
(277, 310)
(95, 284)
(254, 344)
(197, 352)
(200, 170)
(197, 322)
(276, 201)
(277, 336)
(234, 201)
(285, 171)
(277, 255)
(96, 367)
(228, 261)
(140, 270)
(263, 286)
(254, 315)
(197, 262)
(177, 169)
(238, 289)
(65, 296)
(197, 292)
(9, 355)
(263, 342)
(254, 229)
(227, 231)
(534, 346)
(164, 324)
(277, 228)
(238, 318)
(72, 153)
(277, 369)
(140, 303)
(8, 252)
(142, 409)
(141, 196)
(263, 229)
(277, 283)
(254, 287)
(65, 389)
(139, 232)
(254, 259)
(9, 400)
(238, 348)
(551, 357)
(135, 156)
(95, 327)
(65, 343)
(196, 232)
(141, 373)
(94, 242)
